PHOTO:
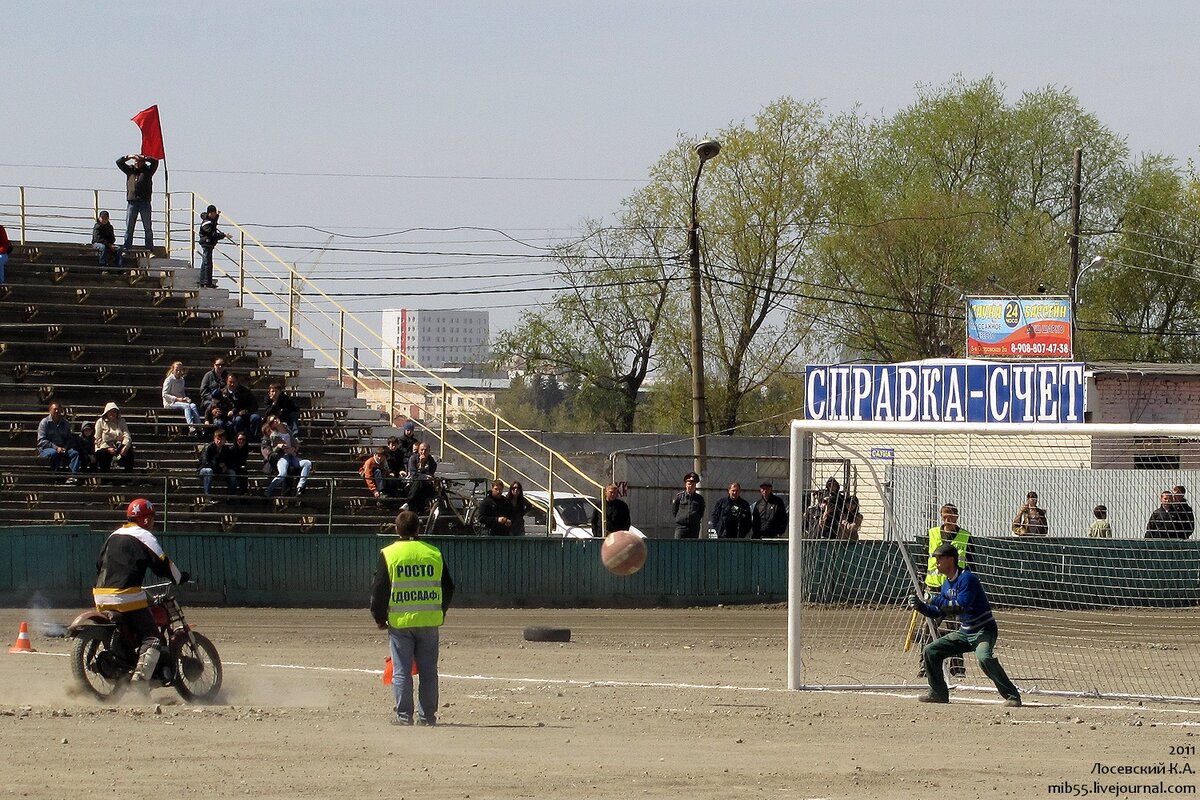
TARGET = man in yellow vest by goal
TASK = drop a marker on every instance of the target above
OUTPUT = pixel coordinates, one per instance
(409, 597)
(948, 532)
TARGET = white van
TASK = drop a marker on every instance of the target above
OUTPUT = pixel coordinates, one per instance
(572, 515)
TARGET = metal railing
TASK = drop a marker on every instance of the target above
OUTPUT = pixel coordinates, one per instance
(312, 321)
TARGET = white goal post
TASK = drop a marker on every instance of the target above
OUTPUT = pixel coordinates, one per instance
(1080, 613)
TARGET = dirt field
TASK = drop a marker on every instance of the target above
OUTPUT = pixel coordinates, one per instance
(672, 704)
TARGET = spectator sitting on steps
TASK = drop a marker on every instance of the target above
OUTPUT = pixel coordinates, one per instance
(236, 408)
(113, 442)
(54, 442)
(396, 456)
(211, 385)
(216, 462)
(174, 396)
(239, 455)
(422, 467)
(280, 404)
(378, 476)
(281, 457)
(85, 445)
(104, 240)
(409, 441)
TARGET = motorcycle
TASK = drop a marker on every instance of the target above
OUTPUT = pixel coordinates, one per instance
(105, 651)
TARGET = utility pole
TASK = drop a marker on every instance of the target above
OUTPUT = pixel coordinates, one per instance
(704, 150)
(1073, 241)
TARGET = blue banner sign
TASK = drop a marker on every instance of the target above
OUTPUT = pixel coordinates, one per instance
(1049, 392)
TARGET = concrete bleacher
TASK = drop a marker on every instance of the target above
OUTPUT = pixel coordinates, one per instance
(82, 336)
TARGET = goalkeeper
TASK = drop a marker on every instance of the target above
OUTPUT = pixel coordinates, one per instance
(949, 532)
(961, 594)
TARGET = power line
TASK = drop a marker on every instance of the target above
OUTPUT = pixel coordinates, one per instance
(368, 175)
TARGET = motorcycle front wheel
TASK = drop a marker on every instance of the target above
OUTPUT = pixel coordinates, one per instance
(84, 666)
(198, 667)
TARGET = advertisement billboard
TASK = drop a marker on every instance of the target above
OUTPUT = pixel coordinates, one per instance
(946, 391)
(1012, 328)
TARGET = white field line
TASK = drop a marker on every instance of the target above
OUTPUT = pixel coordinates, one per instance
(710, 687)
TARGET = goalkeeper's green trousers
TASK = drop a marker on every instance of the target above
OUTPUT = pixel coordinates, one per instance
(956, 642)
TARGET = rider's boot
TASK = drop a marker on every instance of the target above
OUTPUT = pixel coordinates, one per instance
(144, 670)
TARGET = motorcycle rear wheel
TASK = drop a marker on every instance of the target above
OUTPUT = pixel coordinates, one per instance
(198, 667)
(84, 653)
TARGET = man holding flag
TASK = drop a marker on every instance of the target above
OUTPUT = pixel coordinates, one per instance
(139, 170)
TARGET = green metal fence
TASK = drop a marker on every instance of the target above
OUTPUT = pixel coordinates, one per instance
(55, 565)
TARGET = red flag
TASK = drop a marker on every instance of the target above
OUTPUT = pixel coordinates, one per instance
(152, 141)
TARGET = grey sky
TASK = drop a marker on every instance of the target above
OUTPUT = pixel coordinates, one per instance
(480, 104)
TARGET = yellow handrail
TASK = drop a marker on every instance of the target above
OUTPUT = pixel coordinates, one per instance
(375, 341)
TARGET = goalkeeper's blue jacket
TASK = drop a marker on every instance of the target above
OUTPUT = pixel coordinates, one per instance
(962, 595)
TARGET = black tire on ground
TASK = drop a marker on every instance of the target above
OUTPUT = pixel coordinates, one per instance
(537, 633)
(199, 667)
(83, 654)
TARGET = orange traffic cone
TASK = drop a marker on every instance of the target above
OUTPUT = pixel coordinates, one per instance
(22, 644)
(387, 670)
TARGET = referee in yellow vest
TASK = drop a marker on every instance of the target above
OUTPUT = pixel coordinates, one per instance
(948, 532)
(409, 597)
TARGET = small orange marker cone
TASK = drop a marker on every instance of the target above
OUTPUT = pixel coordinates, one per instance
(22, 644)
(387, 670)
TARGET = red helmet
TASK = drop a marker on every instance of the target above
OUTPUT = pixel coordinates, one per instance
(140, 511)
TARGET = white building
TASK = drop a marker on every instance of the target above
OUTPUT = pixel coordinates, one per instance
(433, 338)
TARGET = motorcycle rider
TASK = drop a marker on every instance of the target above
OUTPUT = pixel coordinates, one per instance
(127, 553)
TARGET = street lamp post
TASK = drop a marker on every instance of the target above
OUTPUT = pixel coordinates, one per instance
(1073, 299)
(705, 150)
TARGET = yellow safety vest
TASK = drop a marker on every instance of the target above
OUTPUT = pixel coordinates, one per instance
(933, 578)
(416, 571)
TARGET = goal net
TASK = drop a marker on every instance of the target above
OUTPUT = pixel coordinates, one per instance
(1080, 612)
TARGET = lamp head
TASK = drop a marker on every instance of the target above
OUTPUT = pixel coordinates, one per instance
(1098, 261)
(707, 149)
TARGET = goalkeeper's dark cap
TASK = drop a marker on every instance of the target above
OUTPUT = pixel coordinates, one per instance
(946, 550)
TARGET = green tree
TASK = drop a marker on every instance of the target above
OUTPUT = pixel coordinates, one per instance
(625, 288)
(601, 329)
(1144, 303)
(960, 193)
(761, 207)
